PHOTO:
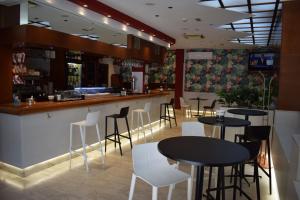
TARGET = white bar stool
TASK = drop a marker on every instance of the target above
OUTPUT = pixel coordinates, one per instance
(92, 119)
(140, 119)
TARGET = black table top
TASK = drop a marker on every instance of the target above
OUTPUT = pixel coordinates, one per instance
(203, 151)
(198, 99)
(249, 112)
(228, 121)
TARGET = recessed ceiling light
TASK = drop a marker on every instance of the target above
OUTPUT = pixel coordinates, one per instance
(85, 5)
(149, 4)
(184, 19)
(109, 16)
(154, 35)
(142, 30)
(127, 24)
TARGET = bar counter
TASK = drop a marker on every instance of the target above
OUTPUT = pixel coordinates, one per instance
(34, 134)
(37, 107)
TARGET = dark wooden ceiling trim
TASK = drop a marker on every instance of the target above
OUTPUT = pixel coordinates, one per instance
(106, 10)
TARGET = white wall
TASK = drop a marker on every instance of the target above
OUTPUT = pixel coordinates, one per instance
(286, 152)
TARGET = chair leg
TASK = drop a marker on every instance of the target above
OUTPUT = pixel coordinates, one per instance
(160, 115)
(169, 117)
(117, 134)
(192, 171)
(235, 181)
(82, 134)
(269, 162)
(174, 115)
(142, 125)
(129, 134)
(132, 186)
(171, 188)
(150, 124)
(154, 193)
(132, 113)
(99, 139)
(190, 188)
(105, 142)
(257, 180)
(70, 146)
(138, 125)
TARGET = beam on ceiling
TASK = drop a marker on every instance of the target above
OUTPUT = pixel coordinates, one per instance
(273, 20)
(251, 20)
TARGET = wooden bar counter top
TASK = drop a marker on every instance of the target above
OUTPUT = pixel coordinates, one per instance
(37, 107)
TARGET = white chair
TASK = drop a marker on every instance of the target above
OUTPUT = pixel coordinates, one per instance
(140, 119)
(153, 168)
(184, 106)
(192, 129)
(92, 119)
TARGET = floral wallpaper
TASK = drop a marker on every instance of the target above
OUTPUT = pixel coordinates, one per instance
(227, 69)
(165, 73)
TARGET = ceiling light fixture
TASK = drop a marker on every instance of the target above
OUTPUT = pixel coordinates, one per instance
(109, 16)
(124, 27)
(105, 20)
(142, 30)
(184, 19)
(149, 4)
(85, 5)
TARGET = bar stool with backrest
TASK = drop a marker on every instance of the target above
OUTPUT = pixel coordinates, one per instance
(116, 134)
(259, 133)
(184, 106)
(210, 108)
(164, 107)
(253, 149)
(92, 119)
(140, 119)
(153, 168)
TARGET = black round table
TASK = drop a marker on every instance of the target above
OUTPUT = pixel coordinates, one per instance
(228, 122)
(203, 151)
(198, 99)
(247, 112)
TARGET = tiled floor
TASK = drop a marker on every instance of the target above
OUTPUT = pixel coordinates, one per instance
(110, 181)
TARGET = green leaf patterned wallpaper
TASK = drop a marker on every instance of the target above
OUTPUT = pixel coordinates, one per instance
(226, 70)
(165, 73)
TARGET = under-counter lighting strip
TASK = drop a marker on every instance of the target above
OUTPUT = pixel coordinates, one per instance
(34, 174)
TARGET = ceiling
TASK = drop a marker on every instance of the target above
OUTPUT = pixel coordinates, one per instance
(263, 23)
(193, 23)
(185, 21)
(67, 22)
